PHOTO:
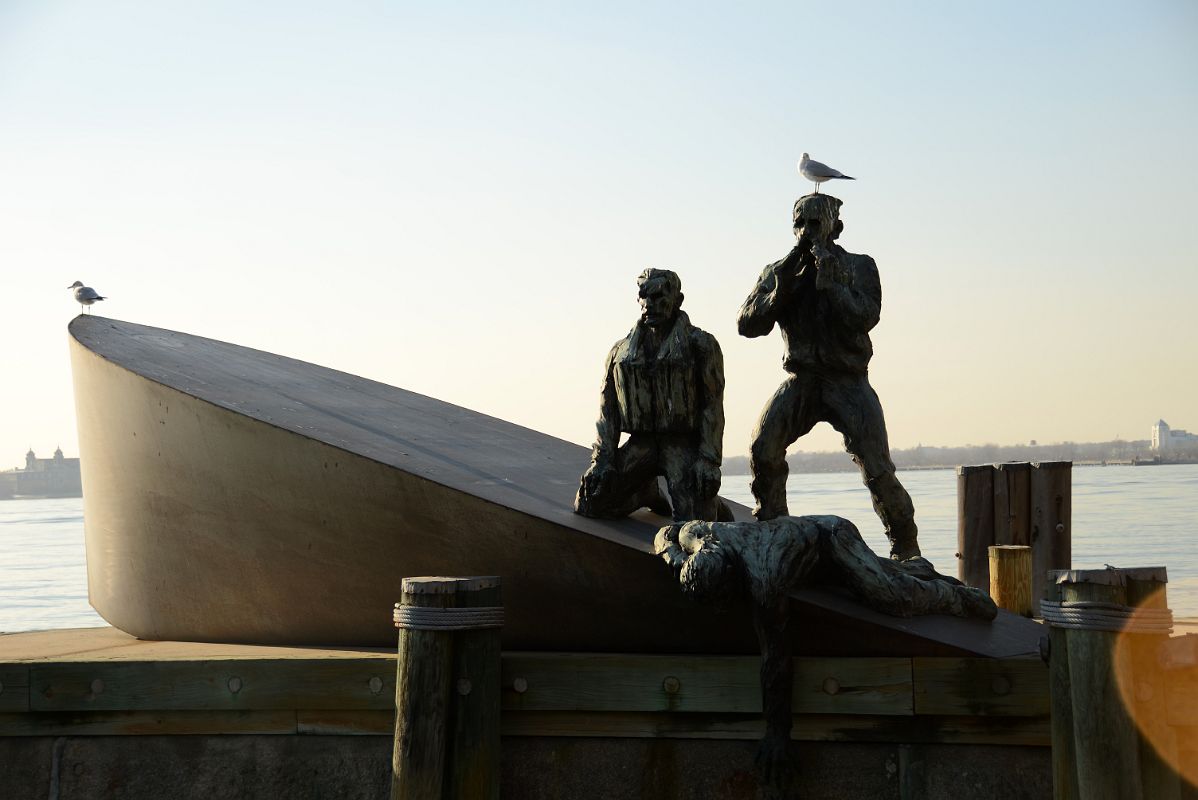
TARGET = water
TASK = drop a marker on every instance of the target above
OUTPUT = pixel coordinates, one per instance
(1126, 516)
(43, 574)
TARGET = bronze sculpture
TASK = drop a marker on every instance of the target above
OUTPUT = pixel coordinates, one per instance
(663, 384)
(777, 556)
(825, 300)
(773, 558)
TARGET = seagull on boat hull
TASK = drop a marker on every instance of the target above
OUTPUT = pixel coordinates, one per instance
(817, 173)
(84, 295)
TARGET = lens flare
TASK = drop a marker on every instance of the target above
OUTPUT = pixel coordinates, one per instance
(1161, 698)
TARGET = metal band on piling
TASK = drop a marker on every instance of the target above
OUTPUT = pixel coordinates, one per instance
(426, 618)
(1082, 615)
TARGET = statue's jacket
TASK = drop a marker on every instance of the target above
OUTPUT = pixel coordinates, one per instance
(826, 315)
(677, 390)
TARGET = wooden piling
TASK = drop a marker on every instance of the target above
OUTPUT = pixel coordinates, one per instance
(1158, 746)
(1064, 760)
(422, 695)
(1012, 503)
(1011, 578)
(1051, 519)
(975, 524)
(1104, 735)
(473, 769)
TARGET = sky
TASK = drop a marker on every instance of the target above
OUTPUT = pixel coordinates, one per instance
(456, 198)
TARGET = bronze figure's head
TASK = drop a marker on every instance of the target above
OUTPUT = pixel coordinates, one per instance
(817, 218)
(660, 296)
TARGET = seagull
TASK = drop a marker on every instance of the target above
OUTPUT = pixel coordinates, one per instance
(84, 295)
(817, 173)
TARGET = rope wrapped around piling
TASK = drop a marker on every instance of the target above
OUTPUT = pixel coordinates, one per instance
(1091, 615)
(422, 618)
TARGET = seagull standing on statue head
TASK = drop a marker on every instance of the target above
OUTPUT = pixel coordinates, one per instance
(817, 173)
(84, 295)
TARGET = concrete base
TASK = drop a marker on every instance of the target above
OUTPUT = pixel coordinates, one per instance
(548, 768)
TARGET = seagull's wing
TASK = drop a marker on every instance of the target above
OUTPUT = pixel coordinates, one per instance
(820, 170)
(87, 293)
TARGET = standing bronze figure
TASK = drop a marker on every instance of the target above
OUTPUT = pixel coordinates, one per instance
(825, 300)
(663, 384)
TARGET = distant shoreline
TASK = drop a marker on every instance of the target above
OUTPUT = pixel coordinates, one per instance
(798, 470)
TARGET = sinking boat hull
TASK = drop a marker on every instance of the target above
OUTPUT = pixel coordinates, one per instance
(234, 495)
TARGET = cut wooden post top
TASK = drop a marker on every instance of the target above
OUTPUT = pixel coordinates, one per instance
(441, 584)
(1010, 547)
(1111, 576)
(1012, 466)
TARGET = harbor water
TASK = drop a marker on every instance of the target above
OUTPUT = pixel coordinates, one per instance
(1124, 516)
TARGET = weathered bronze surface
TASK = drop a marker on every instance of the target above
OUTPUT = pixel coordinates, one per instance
(825, 300)
(663, 384)
(772, 559)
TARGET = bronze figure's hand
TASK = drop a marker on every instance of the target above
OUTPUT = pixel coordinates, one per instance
(596, 479)
(789, 270)
(825, 264)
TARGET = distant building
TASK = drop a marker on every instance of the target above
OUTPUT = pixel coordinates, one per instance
(1165, 438)
(43, 477)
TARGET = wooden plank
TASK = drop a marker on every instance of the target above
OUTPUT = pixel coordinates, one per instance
(932, 729)
(147, 723)
(807, 727)
(616, 682)
(1002, 508)
(345, 723)
(1012, 491)
(981, 687)
(14, 687)
(853, 686)
(554, 682)
(1051, 519)
(975, 524)
(246, 684)
(726, 684)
